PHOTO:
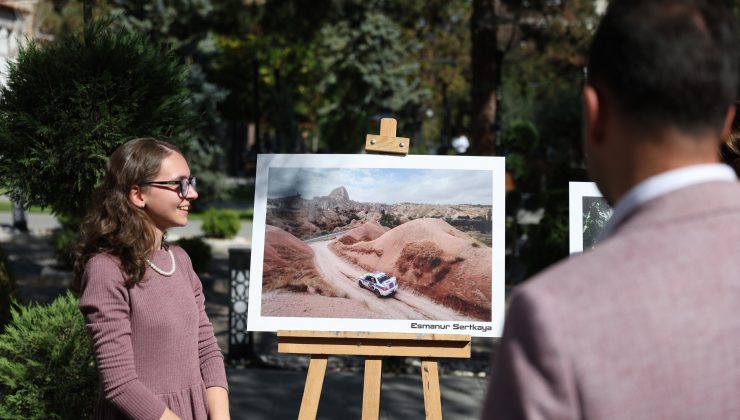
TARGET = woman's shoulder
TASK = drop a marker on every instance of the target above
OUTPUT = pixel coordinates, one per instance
(103, 266)
(103, 260)
(179, 251)
(103, 280)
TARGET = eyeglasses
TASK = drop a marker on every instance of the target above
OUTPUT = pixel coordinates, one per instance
(183, 184)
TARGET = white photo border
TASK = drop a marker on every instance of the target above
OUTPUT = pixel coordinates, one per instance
(494, 328)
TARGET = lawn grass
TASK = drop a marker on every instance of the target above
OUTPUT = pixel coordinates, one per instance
(7, 207)
(245, 214)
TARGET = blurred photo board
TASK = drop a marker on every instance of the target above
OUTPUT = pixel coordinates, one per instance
(378, 243)
(588, 213)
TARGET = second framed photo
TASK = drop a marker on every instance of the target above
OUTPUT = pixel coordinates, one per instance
(379, 244)
(589, 213)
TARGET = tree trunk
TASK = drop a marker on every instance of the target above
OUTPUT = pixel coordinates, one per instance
(486, 76)
(87, 12)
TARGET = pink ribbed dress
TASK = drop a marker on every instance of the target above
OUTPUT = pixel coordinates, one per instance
(154, 344)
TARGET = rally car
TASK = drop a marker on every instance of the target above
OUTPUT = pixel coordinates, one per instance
(379, 283)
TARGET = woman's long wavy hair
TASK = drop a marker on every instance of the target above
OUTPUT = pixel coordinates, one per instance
(114, 225)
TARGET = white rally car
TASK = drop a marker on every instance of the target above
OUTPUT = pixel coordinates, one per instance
(379, 283)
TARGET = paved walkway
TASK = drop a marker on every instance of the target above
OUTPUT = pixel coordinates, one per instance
(273, 392)
(258, 394)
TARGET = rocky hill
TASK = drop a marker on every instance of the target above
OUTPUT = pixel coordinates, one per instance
(432, 258)
(411, 211)
(337, 212)
(289, 264)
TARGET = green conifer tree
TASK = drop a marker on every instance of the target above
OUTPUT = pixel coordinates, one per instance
(47, 367)
(70, 102)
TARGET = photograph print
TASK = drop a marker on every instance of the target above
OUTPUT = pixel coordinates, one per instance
(589, 214)
(377, 243)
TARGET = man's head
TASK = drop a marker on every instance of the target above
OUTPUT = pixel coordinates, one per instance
(662, 78)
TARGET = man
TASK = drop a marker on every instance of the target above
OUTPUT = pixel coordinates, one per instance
(647, 325)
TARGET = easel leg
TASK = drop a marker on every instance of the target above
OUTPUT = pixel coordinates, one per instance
(312, 390)
(432, 395)
(371, 390)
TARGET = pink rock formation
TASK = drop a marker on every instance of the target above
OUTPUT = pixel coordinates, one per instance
(432, 258)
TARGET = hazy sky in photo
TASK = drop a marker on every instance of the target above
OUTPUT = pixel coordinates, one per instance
(388, 186)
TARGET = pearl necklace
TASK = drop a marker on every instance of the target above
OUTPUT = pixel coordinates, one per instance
(159, 270)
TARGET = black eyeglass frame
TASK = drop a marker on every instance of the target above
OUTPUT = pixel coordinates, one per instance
(183, 184)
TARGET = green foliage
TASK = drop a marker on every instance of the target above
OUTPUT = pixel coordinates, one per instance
(521, 139)
(596, 213)
(47, 368)
(198, 251)
(192, 29)
(389, 220)
(366, 69)
(64, 239)
(521, 136)
(543, 73)
(221, 223)
(7, 289)
(547, 242)
(70, 102)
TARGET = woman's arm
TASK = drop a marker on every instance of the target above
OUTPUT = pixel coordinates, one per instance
(211, 359)
(218, 403)
(104, 304)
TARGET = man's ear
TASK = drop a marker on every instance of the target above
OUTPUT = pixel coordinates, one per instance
(593, 116)
(729, 117)
(136, 197)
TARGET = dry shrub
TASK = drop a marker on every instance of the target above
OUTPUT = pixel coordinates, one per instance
(294, 270)
(366, 249)
(298, 280)
(440, 274)
(464, 307)
(347, 240)
(422, 255)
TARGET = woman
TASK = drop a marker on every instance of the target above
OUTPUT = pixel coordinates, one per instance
(155, 349)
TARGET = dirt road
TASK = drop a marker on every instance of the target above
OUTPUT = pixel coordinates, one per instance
(402, 305)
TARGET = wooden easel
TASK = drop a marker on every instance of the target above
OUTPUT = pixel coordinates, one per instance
(374, 346)
(387, 142)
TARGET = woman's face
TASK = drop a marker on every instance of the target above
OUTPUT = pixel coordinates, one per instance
(164, 204)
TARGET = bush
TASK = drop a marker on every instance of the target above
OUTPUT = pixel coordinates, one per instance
(47, 367)
(389, 220)
(221, 223)
(64, 239)
(70, 102)
(199, 252)
(7, 289)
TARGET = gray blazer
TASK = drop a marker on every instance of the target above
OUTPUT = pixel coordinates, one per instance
(645, 326)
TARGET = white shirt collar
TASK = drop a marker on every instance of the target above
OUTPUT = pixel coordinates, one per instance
(662, 184)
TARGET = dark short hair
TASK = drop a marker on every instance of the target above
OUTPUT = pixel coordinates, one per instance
(668, 62)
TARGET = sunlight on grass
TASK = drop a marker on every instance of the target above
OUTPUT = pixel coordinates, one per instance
(245, 214)
(6, 207)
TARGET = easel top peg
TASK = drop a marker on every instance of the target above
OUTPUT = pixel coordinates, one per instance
(386, 141)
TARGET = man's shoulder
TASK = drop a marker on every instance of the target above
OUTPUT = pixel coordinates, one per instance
(691, 225)
(571, 276)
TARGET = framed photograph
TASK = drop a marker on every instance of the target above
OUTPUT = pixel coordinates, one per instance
(589, 212)
(378, 243)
